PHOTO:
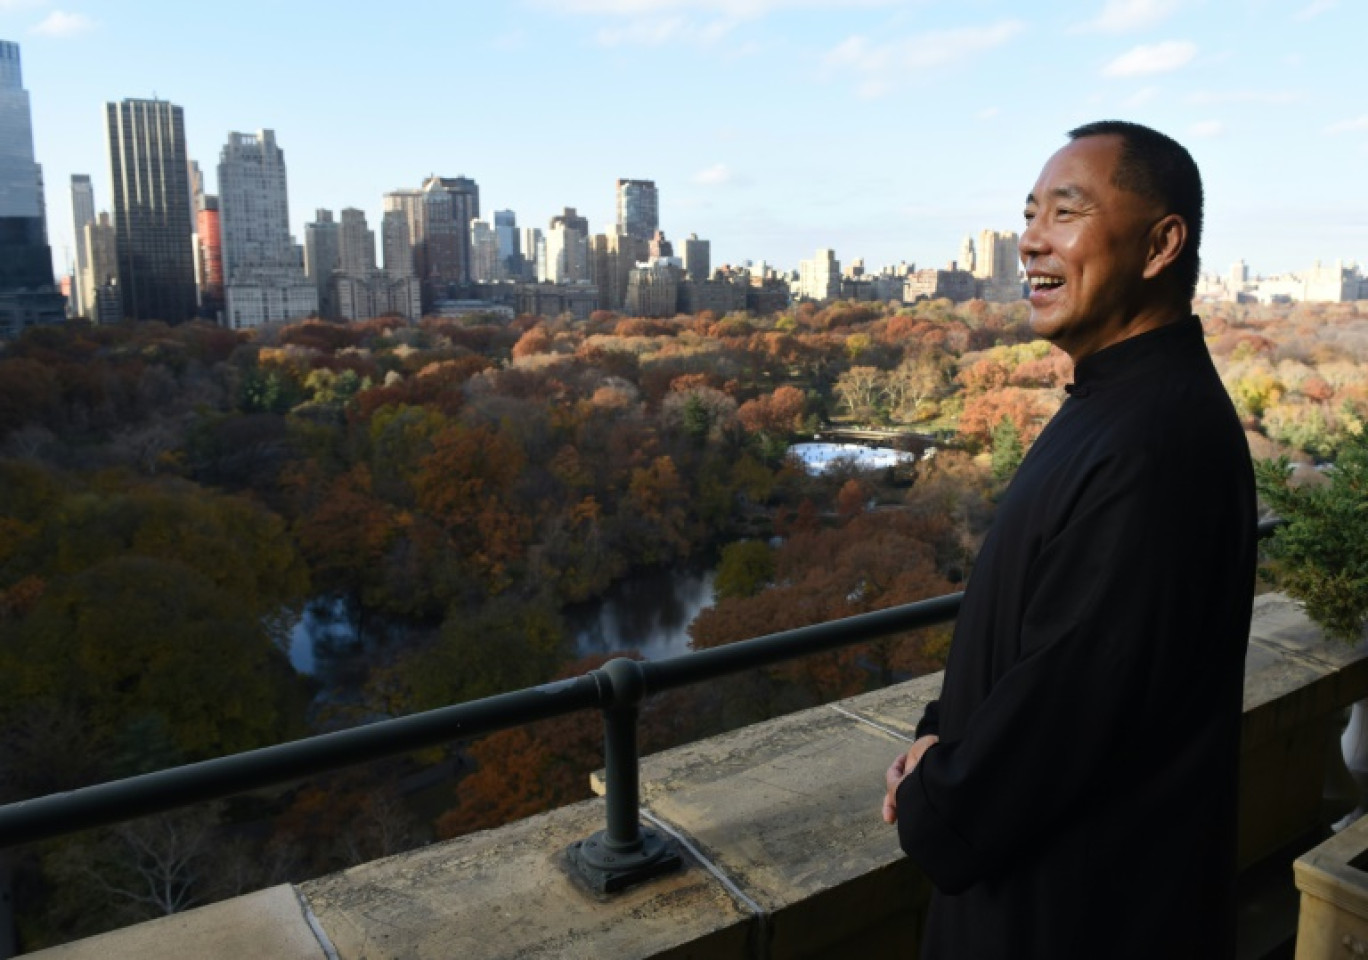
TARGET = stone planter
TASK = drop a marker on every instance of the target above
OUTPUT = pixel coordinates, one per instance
(1333, 880)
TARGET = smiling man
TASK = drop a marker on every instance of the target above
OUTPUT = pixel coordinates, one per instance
(1072, 794)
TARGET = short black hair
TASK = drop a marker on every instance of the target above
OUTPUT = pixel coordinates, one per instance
(1158, 168)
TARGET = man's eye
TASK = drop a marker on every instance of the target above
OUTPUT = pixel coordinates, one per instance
(1063, 212)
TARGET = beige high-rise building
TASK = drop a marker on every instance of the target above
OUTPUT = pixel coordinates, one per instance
(998, 264)
(997, 256)
(355, 244)
(967, 258)
(567, 249)
(264, 280)
(485, 262)
(820, 277)
(397, 243)
(612, 257)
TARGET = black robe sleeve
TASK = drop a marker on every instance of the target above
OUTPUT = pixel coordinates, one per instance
(929, 724)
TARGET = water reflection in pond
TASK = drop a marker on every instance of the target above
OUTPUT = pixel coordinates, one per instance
(325, 629)
(649, 612)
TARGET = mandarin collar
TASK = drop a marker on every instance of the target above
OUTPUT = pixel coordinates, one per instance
(1132, 355)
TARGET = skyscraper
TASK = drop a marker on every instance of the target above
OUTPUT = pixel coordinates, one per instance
(27, 293)
(356, 244)
(533, 248)
(209, 249)
(439, 216)
(612, 257)
(150, 177)
(697, 254)
(82, 212)
(638, 208)
(485, 265)
(567, 249)
(506, 228)
(968, 256)
(103, 304)
(997, 263)
(323, 255)
(263, 279)
(443, 252)
(359, 290)
(397, 243)
(820, 278)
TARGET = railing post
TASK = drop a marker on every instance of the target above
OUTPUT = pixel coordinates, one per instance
(623, 853)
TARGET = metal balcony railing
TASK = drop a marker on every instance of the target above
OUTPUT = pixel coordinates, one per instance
(621, 854)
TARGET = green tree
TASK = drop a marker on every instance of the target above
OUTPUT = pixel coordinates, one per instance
(510, 643)
(1007, 451)
(137, 643)
(1320, 554)
(746, 567)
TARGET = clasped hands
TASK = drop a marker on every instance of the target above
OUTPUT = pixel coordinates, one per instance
(901, 767)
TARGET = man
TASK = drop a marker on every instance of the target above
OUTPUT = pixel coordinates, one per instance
(1073, 792)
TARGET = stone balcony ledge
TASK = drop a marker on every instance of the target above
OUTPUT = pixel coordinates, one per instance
(785, 853)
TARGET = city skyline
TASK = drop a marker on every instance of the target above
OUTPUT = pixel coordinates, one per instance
(886, 130)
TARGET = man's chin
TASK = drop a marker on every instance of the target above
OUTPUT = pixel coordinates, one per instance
(1043, 324)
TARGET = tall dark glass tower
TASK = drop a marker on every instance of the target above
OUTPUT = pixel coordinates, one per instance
(27, 293)
(150, 177)
(638, 208)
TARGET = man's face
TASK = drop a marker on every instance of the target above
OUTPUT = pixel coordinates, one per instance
(1085, 248)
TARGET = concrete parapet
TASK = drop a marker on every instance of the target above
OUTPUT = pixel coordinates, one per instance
(785, 853)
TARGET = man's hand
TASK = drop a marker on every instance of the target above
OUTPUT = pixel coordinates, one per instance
(902, 766)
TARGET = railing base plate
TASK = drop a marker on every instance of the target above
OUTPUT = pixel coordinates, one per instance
(606, 870)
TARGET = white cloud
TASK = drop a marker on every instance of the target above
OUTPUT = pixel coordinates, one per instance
(713, 176)
(988, 113)
(731, 8)
(1152, 58)
(59, 23)
(655, 32)
(879, 65)
(1349, 126)
(1314, 9)
(1141, 97)
(1126, 16)
(1207, 128)
(1267, 98)
(653, 23)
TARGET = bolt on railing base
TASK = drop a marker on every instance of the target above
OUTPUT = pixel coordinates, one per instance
(605, 869)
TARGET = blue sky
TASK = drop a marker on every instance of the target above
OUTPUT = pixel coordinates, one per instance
(886, 129)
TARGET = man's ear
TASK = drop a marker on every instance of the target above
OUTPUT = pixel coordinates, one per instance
(1167, 239)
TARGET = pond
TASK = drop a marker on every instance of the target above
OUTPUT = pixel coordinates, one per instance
(326, 627)
(820, 458)
(649, 612)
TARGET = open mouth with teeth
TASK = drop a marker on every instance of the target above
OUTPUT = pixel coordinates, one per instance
(1046, 283)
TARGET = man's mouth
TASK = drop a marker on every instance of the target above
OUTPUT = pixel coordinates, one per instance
(1045, 282)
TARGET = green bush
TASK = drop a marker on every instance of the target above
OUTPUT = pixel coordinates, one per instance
(1320, 554)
